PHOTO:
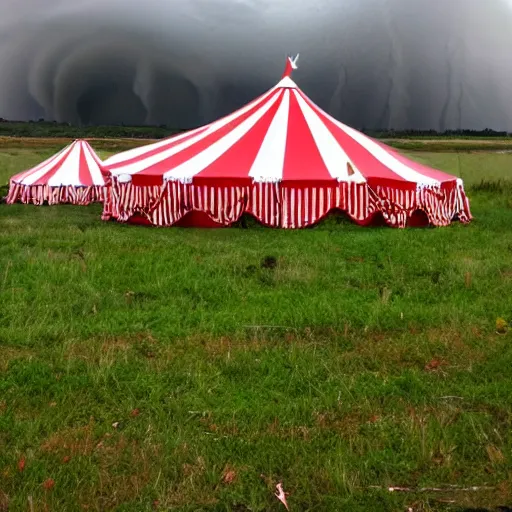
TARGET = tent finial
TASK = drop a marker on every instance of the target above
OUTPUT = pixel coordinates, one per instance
(291, 65)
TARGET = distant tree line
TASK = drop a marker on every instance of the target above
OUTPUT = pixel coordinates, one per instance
(470, 134)
(49, 129)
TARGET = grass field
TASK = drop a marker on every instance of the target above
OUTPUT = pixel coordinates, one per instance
(174, 369)
(436, 144)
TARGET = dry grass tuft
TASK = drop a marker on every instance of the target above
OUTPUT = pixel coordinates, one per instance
(9, 354)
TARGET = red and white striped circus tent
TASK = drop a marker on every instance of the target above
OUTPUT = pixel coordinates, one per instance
(74, 175)
(284, 161)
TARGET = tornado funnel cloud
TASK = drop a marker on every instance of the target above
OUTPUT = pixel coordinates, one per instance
(375, 64)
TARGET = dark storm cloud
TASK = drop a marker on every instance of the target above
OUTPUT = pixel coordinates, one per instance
(372, 63)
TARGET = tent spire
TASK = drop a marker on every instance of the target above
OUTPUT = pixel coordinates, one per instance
(291, 65)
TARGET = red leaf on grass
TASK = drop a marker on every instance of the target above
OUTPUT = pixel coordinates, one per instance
(49, 484)
(21, 464)
(135, 413)
(229, 476)
(433, 365)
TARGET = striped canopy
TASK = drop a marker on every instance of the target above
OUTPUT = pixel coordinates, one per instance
(76, 165)
(73, 175)
(282, 136)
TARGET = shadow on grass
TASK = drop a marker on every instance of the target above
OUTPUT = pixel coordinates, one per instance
(337, 219)
(4, 190)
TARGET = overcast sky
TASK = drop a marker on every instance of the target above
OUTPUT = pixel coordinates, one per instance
(372, 63)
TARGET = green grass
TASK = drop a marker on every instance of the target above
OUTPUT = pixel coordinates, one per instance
(103, 141)
(473, 167)
(365, 357)
(440, 144)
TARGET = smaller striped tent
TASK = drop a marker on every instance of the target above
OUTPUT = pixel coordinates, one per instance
(74, 176)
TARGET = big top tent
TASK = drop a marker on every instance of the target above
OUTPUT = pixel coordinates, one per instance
(73, 175)
(284, 161)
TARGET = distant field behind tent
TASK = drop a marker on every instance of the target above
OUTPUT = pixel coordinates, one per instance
(131, 140)
(188, 369)
(472, 159)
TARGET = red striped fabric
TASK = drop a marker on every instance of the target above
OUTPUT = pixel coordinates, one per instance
(74, 175)
(41, 194)
(285, 161)
(280, 206)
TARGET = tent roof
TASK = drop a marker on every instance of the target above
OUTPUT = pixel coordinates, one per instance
(280, 136)
(76, 165)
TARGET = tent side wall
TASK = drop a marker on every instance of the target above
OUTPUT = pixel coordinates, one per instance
(41, 194)
(281, 205)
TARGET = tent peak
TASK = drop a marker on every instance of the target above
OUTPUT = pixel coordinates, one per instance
(291, 65)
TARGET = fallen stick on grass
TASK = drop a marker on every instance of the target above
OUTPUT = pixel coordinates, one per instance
(449, 488)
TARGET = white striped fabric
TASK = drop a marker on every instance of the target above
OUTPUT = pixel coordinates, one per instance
(41, 194)
(191, 167)
(286, 162)
(68, 173)
(269, 162)
(333, 155)
(276, 205)
(73, 175)
(199, 134)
